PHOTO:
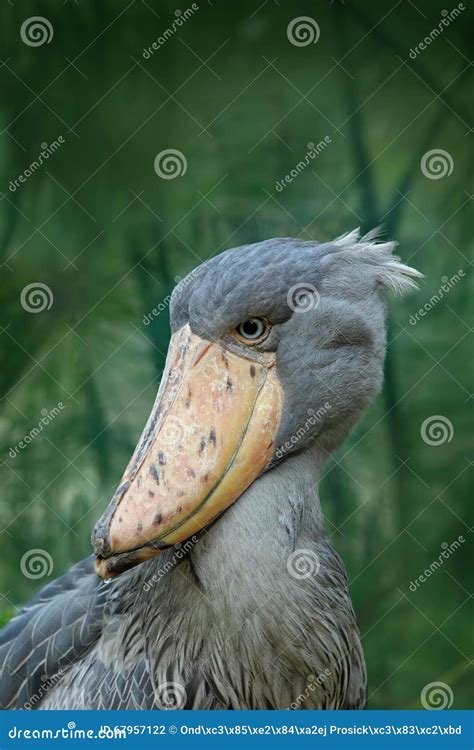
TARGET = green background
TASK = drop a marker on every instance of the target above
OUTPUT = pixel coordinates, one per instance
(108, 236)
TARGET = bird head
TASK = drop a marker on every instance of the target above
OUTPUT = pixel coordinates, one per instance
(275, 347)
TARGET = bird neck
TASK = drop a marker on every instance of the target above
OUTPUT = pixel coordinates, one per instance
(279, 513)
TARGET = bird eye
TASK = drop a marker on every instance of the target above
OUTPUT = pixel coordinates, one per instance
(253, 330)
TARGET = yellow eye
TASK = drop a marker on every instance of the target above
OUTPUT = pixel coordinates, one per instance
(252, 331)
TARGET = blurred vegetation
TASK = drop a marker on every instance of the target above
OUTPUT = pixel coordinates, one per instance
(108, 236)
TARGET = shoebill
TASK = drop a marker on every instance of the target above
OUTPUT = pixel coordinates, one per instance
(213, 584)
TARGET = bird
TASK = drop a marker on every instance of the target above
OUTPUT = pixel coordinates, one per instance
(213, 583)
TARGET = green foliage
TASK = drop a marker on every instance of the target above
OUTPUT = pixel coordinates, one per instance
(108, 236)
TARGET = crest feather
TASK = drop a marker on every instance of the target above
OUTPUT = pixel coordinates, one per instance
(390, 272)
